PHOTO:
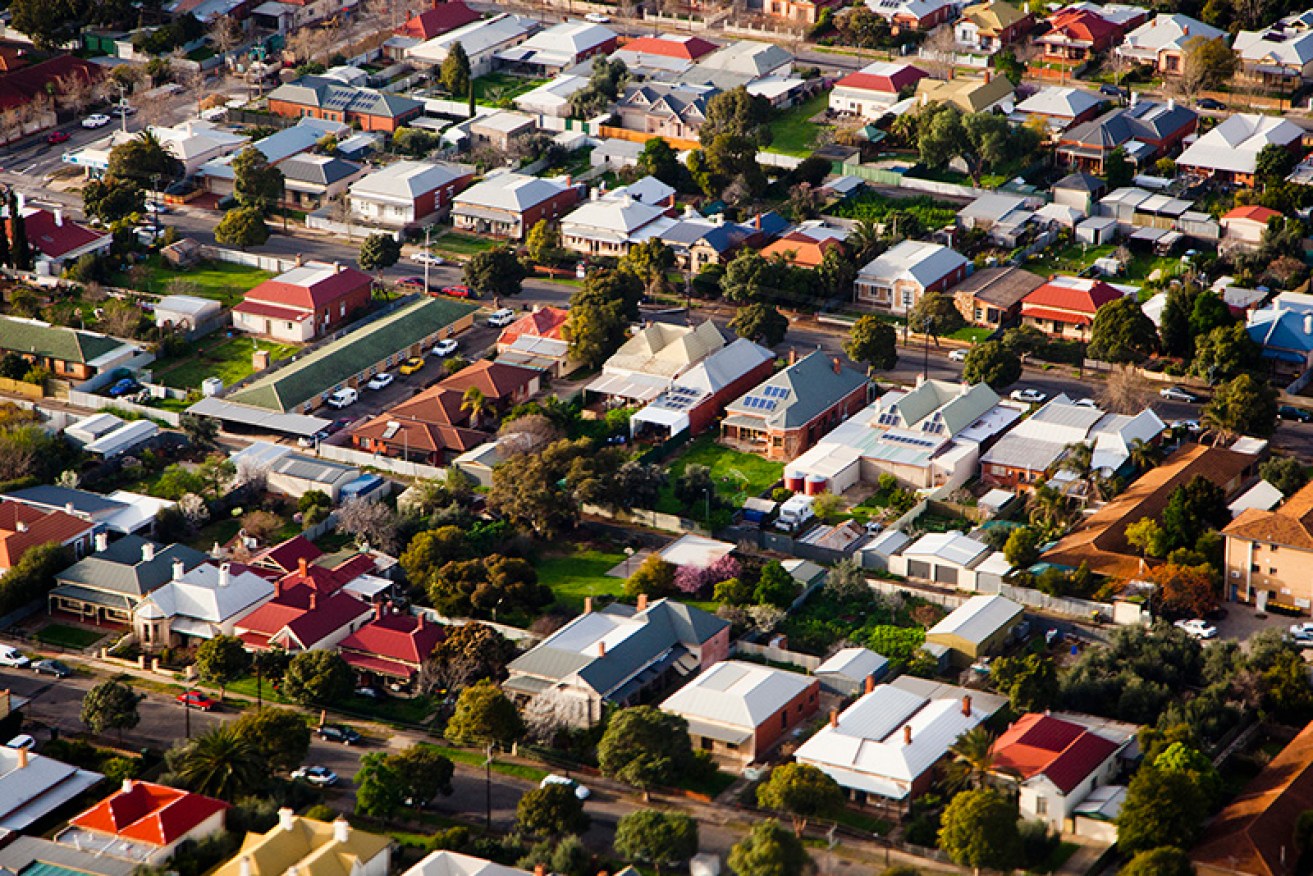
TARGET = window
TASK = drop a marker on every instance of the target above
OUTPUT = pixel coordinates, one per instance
(1041, 806)
(707, 744)
(1253, 567)
(784, 720)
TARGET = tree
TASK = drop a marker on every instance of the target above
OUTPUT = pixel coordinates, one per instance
(454, 74)
(1274, 164)
(379, 252)
(1162, 861)
(1118, 171)
(1121, 333)
(20, 250)
(220, 762)
(495, 272)
(485, 716)
(476, 404)
(940, 135)
(775, 586)
(979, 830)
(991, 363)
(650, 261)
(257, 184)
(113, 199)
(1162, 807)
(110, 705)
(760, 322)
(645, 747)
(801, 790)
(659, 160)
(873, 342)
(552, 810)
(1241, 406)
(935, 314)
(769, 850)
(604, 84)
(1124, 392)
(1029, 681)
(1022, 547)
(317, 678)
(1224, 353)
(472, 652)
(973, 757)
(1285, 473)
(1007, 63)
(241, 228)
(1192, 509)
(1184, 590)
(143, 160)
(379, 786)
(1174, 325)
(1147, 537)
(222, 660)
(543, 243)
(600, 314)
(280, 735)
(1206, 64)
(424, 771)
(656, 838)
(527, 490)
(1208, 312)
(1183, 758)
(837, 271)
(201, 432)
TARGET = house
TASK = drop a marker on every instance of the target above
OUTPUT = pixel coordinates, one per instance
(304, 303)
(897, 279)
(919, 15)
(1244, 226)
(648, 363)
(661, 56)
(501, 129)
(785, 415)
(992, 297)
(672, 111)
(552, 98)
(1079, 190)
(849, 672)
(1162, 42)
(408, 193)
(1145, 131)
(989, 26)
(698, 241)
(608, 225)
(58, 242)
(69, 354)
(1268, 554)
(544, 321)
(351, 570)
(481, 40)
(392, 647)
(1256, 833)
(1278, 57)
(806, 12)
(1075, 36)
(410, 330)
(220, 179)
(20, 88)
(23, 527)
(509, 204)
(534, 341)
(873, 90)
(310, 611)
(740, 63)
(186, 313)
(1005, 217)
(1100, 541)
(442, 17)
(738, 712)
(951, 559)
(120, 512)
(1065, 306)
(695, 398)
(560, 47)
(444, 863)
(1229, 152)
(504, 386)
(33, 787)
(310, 181)
(883, 748)
(295, 475)
(969, 95)
(976, 628)
(1060, 107)
(198, 604)
(621, 655)
(322, 98)
(1028, 454)
(1285, 333)
(193, 142)
(145, 822)
(1054, 765)
(105, 586)
(806, 245)
(928, 436)
(432, 426)
(312, 847)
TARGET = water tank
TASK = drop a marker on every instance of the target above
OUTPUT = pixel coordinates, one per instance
(211, 386)
(816, 484)
(793, 481)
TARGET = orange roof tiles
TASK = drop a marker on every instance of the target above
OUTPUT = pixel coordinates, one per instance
(1253, 213)
(688, 48)
(496, 380)
(1290, 525)
(23, 527)
(1071, 294)
(801, 250)
(148, 813)
(1064, 752)
(545, 322)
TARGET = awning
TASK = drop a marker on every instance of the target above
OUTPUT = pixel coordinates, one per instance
(675, 421)
(740, 421)
(76, 593)
(300, 425)
(482, 213)
(707, 730)
(378, 665)
(190, 626)
(639, 387)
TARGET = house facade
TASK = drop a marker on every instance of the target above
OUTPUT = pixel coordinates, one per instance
(69, 354)
(871, 91)
(301, 304)
(1269, 554)
(1146, 131)
(992, 296)
(989, 26)
(897, 279)
(509, 204)
(407, 193)
(321, 98)
(1162, 42)
(1064, 307)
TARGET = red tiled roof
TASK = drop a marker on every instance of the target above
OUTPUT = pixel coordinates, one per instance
(415, 435)
(906, 77)
(1082, 296)
(496, 380)
(149, 813)
(1084, 25)
(379, 665)
(1060, 315)
(1064, 752)
(689, 48)
(288, 555)
(401, 637)
(438, 404)
(545, 322)
(1253, 213)
(38, 527)
(55, 240)
(302, 617)
(442, 18)
(353, 567)
(329, 288)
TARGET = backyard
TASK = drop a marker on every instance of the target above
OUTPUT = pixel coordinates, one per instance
(793, 132)
(222, 281)
(1076, 257)
(582, 572)
(228, 358)
(499, 89)
(737, 475)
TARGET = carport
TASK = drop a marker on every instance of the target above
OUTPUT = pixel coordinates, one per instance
(231, 413)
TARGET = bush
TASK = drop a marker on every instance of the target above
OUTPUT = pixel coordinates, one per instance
(321, 812)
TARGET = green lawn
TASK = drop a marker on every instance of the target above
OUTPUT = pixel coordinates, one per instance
(713, 786)
(73, 638)
(461, 246)
(222, 531)
(973, 333)
(580, 573)
(222, 281)
(218, 356)
(496, 89)
(793, 132)
(1076, 257)
(476, 759)
(737, 475)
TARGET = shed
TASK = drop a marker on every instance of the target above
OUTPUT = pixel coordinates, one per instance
(93, 428)
(1097, 230)
(846, 671)
(978, 627)
(186, 312)
(127, 437)
(695, 550)
(757, 510)
(295, 475)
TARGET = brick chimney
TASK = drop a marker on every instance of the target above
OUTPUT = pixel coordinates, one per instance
(419, 621)
(642, 602)
(147, 552)
(834, 717)
(989, 75)
(966, 706)
(303, 567)
(793, 356)
(314, 598)
(870, 683)
(838, 368)
(378, 611)
(22, 758)
(539, 870)
(907, 734)
(601, 648)
(588, 605)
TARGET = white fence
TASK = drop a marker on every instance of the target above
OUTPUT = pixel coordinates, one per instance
(515, 634)
(779, 655)
(384, 463)
(934, 187)
(250, 259)
(775, 159)
(100, 402)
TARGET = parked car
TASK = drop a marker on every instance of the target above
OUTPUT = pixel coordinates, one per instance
(339, 733)
(458, 291)
(343, 397)
(11, 656)
(126, 386)
(501, 318)
(597, 18)
(196, 700)
(21, 741)
(445, 348)
(1176, 393)
(152, 207)
(51, 667)
(1187, 425)
(1290, 412)
(57, 137)
(1198, 628)
(579, 790)
(96, 120)
(316, 775)
(1302, 633)
(428, 258)
(414, 283)
(369, 693)
(1111, 91)
(1029, 396)
(380, 381)
(1086, 403)
(122, 110)
(958, 355)
(412, 365)
(1209, 103)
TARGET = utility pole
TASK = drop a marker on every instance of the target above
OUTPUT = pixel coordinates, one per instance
(487, 786)
(123, 108)
(186, 714)
(427, 257)
(925, 364)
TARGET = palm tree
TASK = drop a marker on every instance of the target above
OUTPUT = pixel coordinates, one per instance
(1078, 458)
(1048, 507)
(864, 240)
(219, 763)
(973, 757)
(476, 404)
(1144, 455)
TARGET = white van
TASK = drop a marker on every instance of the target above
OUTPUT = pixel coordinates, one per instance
(343, 397)
(11, 656)
(501, 318)
(795, 512)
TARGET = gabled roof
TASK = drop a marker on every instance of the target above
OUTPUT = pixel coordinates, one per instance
(442, 17)
(496, 380)
(1235, 143)
(794, 397)
(321, 170)
(56, 236)
(667, 350)
(968, 95)
(979, 617)
(402, 638)
(1082, 25)
(286, 556)
(144, 812)
(994, 16)
(1063, 752)
(619, 217)
(1080, 297)
(122, 566)
(1275, 47)
(300, 618)
(1165, 31)
(855, 664)
(321, 93)
(23, 527)
(949, 547)
(737, 694)
(307, 847)
(444, 863)
(1290, 525)
(1001, 287)
(208, 595)
(513, 192)
(1251, 213)
(1146, 121)
(65, 344)
(32, 786)
(1282, 332)
(310, 287)
(918, 260)
(884, 77)
(542, 322)
(688, 48)
(1065, 103)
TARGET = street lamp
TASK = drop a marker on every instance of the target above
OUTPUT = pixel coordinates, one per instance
(629, 555)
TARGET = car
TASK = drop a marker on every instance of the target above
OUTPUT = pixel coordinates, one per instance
(579, 790)
(122, 110)
(369, 693)
(56, 137)
(51, 667)
(1175, 393)
(1086, 403)
(597, 18)
(96, 120)
(194, 699)
(1187, 425)
(1029, 396)
(959, 355)
(126, 386)
(380, 381)
(1111, 91)
(313, 440)
(343, 397)
(411, 365)
(316, 775)
(445, 348)
(501, 318)
(458, 291)
(428, 258)
(1290, 412)
(413, 283)
(11, 656)
(339, 733)
(158, 209)
(1209, 103)
(1302, 633)
(21, 741)
(1197, 628)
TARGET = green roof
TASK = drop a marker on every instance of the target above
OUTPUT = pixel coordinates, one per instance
(334, 363)
(56, 342)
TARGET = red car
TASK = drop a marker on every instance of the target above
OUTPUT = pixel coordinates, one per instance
(55, 137)
(458, 291)
(196, 700)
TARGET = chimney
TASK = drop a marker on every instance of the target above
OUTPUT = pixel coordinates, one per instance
(838, 368)
(278, 589)
(1171, 103)
(1185, 30)
(588, 605)
(756, 222)
(286, 818)
(989, 75)
(300, 260)
(907, 734)
(834, 717)
(337, 267)
(22, 527)
(539, 870)
(244, 866)
(793, 356)
(22, 202)
(59, 218)
(127, 786)
(179, 569)
(314, 598)
(966, 706)
(601, 647)
(1308, 323)
(147, 552)
(378, 611)
(341, 830)
(419, 621)
(224, 571)
(69, 508)
(1134, 98)
(102, 541)
(22, 758)
(303, 567)
(870, 683)
(642, 602)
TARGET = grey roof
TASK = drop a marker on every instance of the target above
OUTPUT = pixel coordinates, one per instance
(738, 694)
(42, 855)
(856, 664)
(513, 192)
(798, 394)
(1002, 287)
(53, 497)
(978, 618)
(323, 93)
(682, 102)
(317, 169)
(30, 793)
(1080, 181)
(1146, 121)
(122, 569)
(317, 470)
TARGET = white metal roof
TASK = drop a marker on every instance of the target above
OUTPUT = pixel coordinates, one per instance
(918, 260)
(947, 547)
(695, 550)
(405, 180)
(737, 694)
(1261, 495)
(1064, 103)
(514, 192)
(853, 663)
(1235, 143)
(978, 618)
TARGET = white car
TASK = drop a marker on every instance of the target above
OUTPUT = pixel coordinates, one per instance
(98, 120)
(1187, 425)
(152, 207)
(445, 348)
(425, 258)
(959, 355)
(1029, 396)
(501, 318)
(1086, 403)
(343, 397)
(1175, 393)
(379, 381)
(579, 790)
(1302, 633)
(11, 656)
(316, 775)
(1199, 629)
(597, 18)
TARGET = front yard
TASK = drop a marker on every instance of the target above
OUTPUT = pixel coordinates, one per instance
(222, 281)
(228, 358)
(1076, 257)
(459, 247)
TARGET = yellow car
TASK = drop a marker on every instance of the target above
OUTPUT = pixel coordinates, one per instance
(411, 365)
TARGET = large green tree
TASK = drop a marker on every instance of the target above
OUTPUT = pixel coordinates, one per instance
(1192, 509)
(241, 228)
(934, 313)
(317, 678)
(979, 830)
(873, 342)
(543, 243)
(657, 838)
(770, 850)
(1162, 861)
(380, 791)
(760, 322)
(484, 716)
(143, 160)
(257, 184)
(111, 200)
(552, 810)
(601, 312)
(1224, 353)
(992, 363)
(379, 252)
(281, 736)
(1207, 312)
(1029, 681)
(801, 790)
(424, 771)
(221, 762)
(454, 74)
(645, 747)
(222, 660)
(1174, 334)
(110, 705)
(495, 272)
(1162, 807)
(1121, 333)
(658, 159)
(1243, 405)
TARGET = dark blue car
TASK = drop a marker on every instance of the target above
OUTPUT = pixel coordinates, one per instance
(124, 387)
